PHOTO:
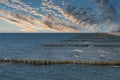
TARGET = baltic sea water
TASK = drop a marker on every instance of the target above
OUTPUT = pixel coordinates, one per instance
(31, 47)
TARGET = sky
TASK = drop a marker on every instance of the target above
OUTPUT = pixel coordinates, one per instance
(41, 16)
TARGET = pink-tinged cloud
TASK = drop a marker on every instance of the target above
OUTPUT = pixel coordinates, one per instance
(49, 16)
(30, 24)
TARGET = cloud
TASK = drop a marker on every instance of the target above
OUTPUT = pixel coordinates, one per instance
(80, 21)
(48, 8)
(19, 6)
(30, 24)
(51, 16)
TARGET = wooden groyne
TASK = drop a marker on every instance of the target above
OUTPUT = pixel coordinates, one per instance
(81, 45)
(58, 62)
(92, 40)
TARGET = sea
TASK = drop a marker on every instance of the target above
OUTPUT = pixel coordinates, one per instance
(59, 46)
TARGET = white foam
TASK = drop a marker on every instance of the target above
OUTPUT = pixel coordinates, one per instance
(90, 46)
(75, 56)
(102, 52)
(77, 50)
(88, 43)
(102, 56)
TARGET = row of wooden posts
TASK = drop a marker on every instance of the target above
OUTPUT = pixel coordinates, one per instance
(83, 45)
(57, 62)
(83, 40)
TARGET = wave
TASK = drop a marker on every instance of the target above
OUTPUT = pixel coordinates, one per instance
(77, 50)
